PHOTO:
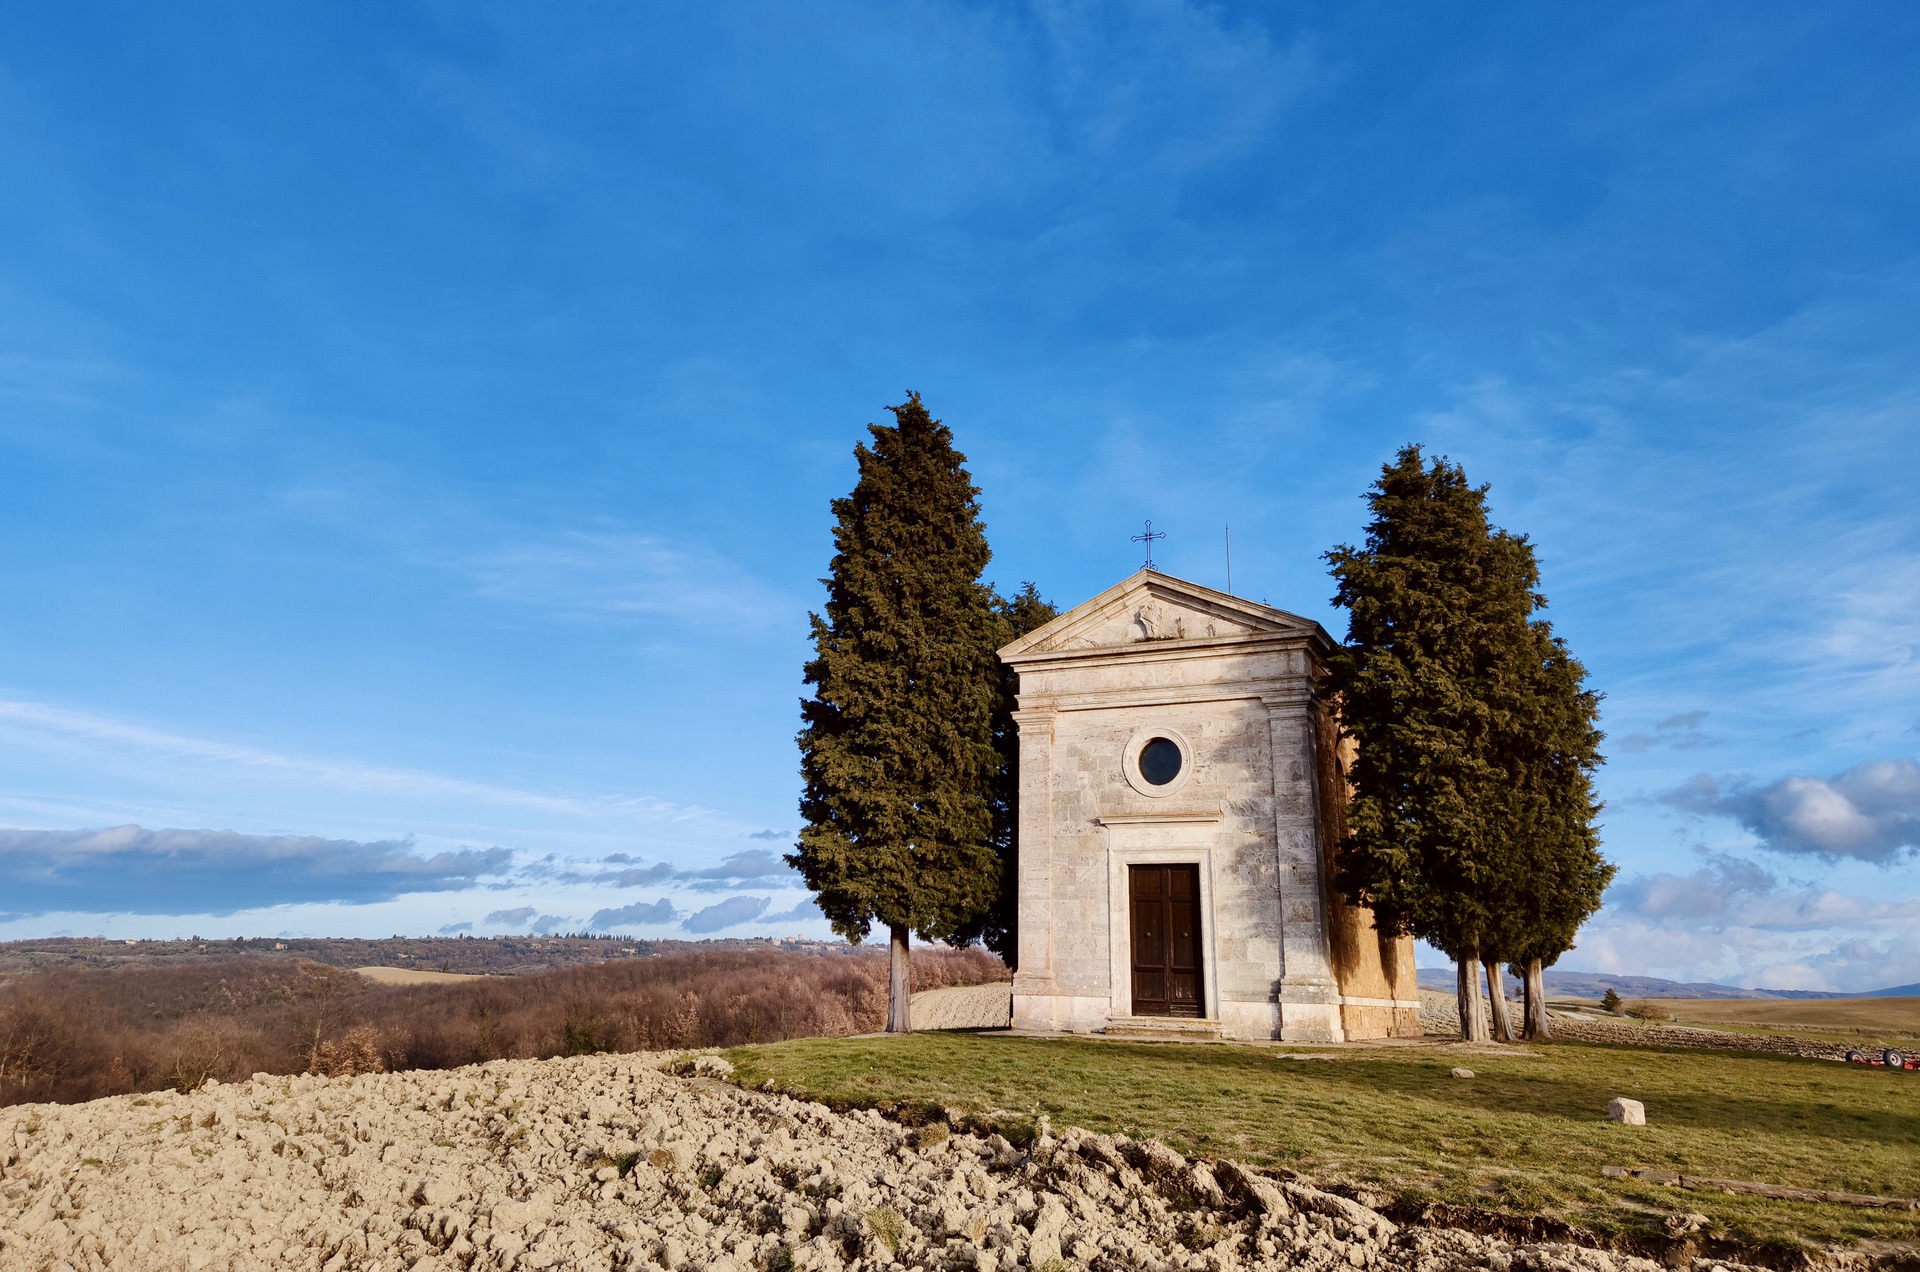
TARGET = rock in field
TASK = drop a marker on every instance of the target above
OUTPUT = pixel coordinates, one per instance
(1630, 1112)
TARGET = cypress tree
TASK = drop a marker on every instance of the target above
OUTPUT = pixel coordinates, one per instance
(1435, 597)
(1472, 824)
(897, 747)
(1557, 875)
(1545, 875)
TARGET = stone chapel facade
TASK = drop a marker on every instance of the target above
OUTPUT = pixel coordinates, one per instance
(1181, 786)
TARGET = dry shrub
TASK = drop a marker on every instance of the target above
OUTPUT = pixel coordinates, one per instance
(360, 1050)
(75, 1034)
(48, 1052)
(206, 1047)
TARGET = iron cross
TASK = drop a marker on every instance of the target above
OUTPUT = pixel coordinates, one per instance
(1148, 539)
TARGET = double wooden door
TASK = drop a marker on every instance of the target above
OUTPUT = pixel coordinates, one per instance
(1164, 903)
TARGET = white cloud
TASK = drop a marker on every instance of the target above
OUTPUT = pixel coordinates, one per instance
(1869, 813)
(805, 912)
(1735, 922)
(639, 914)
(728, 913)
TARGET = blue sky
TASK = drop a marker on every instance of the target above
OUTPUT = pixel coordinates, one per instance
(418, 421)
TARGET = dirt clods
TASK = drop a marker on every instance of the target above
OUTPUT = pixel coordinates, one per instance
(613, 1162)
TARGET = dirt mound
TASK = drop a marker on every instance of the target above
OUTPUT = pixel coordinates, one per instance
(607, 1161)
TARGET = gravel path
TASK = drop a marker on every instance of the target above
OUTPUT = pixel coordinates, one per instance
(608, 1162)
(964, 1007)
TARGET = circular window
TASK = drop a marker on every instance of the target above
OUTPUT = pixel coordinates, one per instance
(1160, 761)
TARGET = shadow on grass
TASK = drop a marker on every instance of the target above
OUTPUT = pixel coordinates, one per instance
(1528, 1135)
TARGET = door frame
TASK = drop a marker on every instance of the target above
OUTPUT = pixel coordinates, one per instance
(1158, 841)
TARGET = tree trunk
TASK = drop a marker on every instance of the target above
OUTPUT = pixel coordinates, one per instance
(1473, 1023)
(1537, 1027)
(1497, 1000)
(1526, 999)
(899, 982)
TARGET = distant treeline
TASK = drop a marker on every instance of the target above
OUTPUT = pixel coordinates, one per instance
(70, 1035)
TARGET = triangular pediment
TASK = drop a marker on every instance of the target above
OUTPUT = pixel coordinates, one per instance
(1150, 607)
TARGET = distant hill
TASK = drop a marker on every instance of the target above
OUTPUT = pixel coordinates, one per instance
(1596, 984)
(492, 955)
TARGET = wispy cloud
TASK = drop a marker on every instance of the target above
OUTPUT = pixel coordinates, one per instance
(516, 917)
(131, 870)
(54, 382)
(1675, 733)
(621, 574)
(755, 867)
(345, 774)
(634, 877)
(1869, 813)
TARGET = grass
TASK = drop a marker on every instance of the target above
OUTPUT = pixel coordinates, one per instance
(1527, 1135)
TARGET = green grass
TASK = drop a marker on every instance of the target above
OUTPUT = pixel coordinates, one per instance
(1527, 1135)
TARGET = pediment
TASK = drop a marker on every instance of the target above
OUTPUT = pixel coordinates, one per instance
(1152, 607)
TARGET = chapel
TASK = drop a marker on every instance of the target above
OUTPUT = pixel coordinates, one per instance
(1182, 786)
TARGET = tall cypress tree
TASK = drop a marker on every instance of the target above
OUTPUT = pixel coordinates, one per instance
(1472, 823)
(1435, 595)
(898, 749)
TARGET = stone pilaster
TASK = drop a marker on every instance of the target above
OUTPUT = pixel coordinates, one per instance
(1035, 868)
(1309, 994)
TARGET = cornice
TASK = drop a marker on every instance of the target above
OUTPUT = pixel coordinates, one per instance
(1147, 651)
(1261, 691)
(1160, 819)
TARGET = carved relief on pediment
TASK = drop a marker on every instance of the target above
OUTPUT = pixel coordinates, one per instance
(1145, 619)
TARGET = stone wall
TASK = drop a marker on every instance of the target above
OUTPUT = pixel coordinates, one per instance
(1366, 964)
(1442, 1020)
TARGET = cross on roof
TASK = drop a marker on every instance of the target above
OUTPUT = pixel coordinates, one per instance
(1148, 539)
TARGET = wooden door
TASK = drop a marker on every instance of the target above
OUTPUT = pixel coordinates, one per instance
(1164, 903)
